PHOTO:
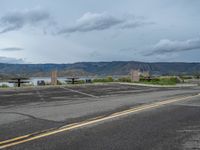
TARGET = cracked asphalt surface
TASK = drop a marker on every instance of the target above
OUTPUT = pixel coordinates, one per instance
(175, 126)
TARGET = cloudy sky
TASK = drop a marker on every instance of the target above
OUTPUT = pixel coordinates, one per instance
(66, 31)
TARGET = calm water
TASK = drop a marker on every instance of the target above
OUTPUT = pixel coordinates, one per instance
(34, 80)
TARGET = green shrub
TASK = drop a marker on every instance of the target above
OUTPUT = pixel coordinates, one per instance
(185, 77)
(161, 81)
(108, 79)
(4, 86)
(26, 84)
(80, 82)
(124, 79)
(196, 75)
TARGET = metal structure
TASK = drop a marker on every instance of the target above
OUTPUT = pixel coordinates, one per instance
(19, 80)
(72, 80)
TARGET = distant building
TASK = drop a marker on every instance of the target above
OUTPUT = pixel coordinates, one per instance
(135, 75)
(54, 78)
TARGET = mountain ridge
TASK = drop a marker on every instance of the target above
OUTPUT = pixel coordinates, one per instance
(101, 68)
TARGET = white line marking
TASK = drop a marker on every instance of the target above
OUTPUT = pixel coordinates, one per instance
(188, 130)
(40, 96)
(90, 95)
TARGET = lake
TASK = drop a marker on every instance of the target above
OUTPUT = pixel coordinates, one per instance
(33, 80)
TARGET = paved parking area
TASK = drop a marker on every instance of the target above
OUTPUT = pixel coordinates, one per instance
(29, 95)
(29, 110)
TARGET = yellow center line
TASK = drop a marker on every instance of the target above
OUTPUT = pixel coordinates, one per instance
(14, 139)
(31, 137)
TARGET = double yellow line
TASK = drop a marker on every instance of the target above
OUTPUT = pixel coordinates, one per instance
(45, 133)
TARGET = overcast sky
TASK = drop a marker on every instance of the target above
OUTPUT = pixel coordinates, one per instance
(66, 31)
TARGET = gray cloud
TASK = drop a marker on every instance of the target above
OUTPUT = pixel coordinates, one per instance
(18, 19)
(10, 60)
(135, 24)
(11, 49)
(101, 21)
(126, 49)
(168, 46)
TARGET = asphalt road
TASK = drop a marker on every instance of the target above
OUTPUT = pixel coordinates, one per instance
(145, 126)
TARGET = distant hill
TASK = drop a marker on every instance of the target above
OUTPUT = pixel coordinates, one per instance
(99, 68)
